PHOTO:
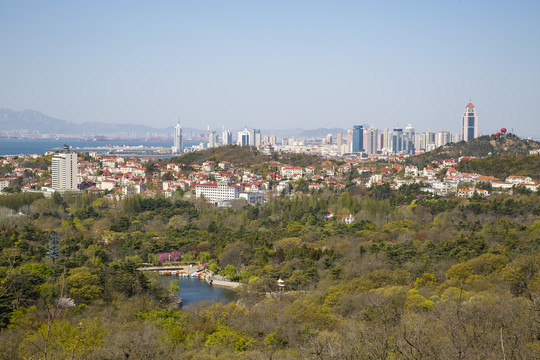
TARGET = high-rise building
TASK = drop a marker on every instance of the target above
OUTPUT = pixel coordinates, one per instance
(408, 141)
(339, 142)
(418, 144)
(257, 140)
(469, 123)
(213, 140)
(397, 141)
(329, 139)
(380, 142)
(178, 141)
(371, 140)
(243, 137)
(227, 137)
(349, 140)
(442, 138)
(64, 171)
(387, 141)
(357, 139)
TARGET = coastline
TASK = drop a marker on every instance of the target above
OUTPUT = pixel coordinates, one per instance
(228, 284)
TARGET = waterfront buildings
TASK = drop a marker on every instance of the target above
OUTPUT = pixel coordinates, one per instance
(178, 145)
(213, 140)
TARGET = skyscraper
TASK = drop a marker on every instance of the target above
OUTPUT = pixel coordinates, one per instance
(469, 123)
(256, 133)
(243, 137)
(358, 139)
(397, 141)
(339, 142)
(213, 140)
(408, 145)
(372, 138)
(64, 171)
(387, 141)
(227, 137)
(178, 145)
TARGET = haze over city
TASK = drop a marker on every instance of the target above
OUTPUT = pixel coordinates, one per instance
(275, 65)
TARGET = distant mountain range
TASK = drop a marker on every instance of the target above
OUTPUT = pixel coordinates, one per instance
(30, 120)
(34, 121)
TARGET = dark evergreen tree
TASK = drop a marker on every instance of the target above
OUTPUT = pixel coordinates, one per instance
(54, 247)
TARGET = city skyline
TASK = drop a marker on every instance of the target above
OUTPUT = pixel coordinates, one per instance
(273, 65)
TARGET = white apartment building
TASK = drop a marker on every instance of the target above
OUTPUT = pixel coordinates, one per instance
(178, 146)
(218, 192)
(64, 171)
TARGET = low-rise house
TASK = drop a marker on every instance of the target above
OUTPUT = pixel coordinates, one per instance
(468, 193)
(208, 166)
(519, 179)
(291, 171)
(411, 171)
(501, 185)
(252, 198)
(108, 184)
(347, 219)
(225, 165)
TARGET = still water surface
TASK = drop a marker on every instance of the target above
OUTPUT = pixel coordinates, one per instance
(40, 146)
(193, 290)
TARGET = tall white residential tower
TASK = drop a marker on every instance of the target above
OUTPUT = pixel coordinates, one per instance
(178, 145)
(64, 171)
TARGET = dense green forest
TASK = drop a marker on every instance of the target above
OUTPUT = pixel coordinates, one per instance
(414, 277)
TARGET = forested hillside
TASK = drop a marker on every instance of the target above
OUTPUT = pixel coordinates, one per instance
(414, 277)
(243, 156)
(482, 146)
(503, 165)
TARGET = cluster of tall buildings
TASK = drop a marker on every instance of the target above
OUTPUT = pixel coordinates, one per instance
(405, 141)
(359, 139)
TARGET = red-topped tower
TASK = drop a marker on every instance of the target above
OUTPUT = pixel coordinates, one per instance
(469, 123)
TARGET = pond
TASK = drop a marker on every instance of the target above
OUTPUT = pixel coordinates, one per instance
(193, 290)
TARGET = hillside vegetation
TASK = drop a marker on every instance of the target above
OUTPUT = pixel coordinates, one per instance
(414, 277)
(503, 165)
(243, 156)
(479, 147)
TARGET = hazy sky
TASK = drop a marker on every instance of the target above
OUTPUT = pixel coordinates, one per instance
(275, 64)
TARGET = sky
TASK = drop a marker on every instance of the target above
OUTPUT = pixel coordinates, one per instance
(275, 64)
